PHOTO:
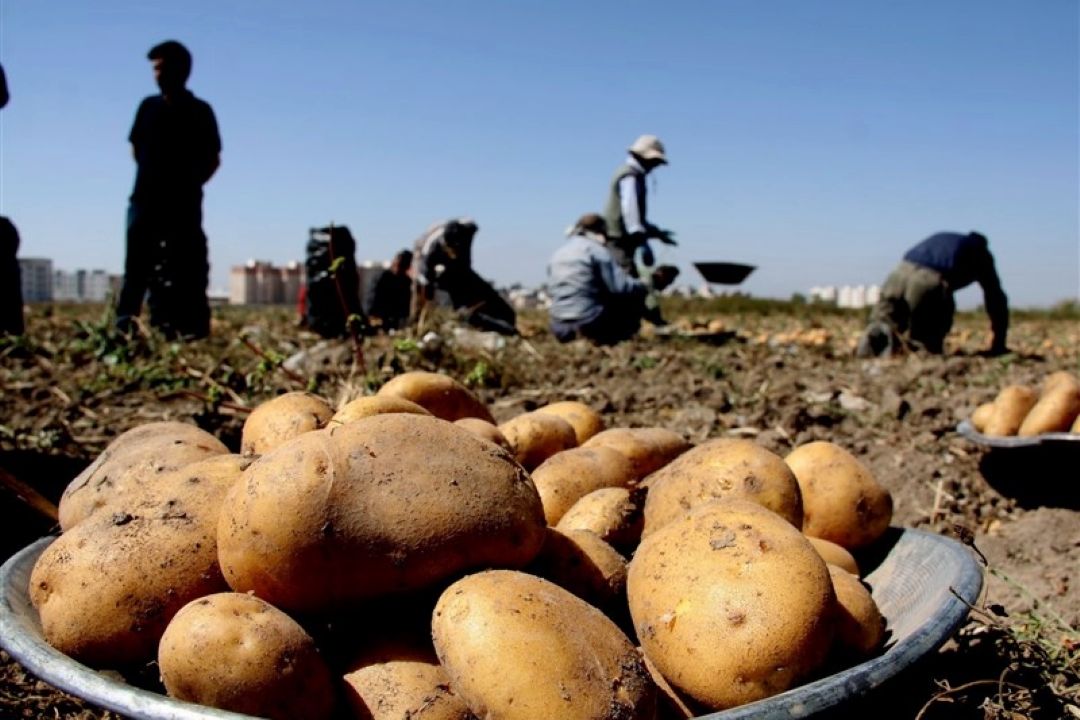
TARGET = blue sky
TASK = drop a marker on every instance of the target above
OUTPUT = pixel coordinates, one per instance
(817, 140)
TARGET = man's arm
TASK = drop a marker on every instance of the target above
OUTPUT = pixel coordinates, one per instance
(996, 303)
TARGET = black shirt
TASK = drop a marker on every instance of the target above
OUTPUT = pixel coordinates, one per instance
(176, 148)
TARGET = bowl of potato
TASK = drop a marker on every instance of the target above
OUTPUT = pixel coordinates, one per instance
(404, 556)
(1021, 416)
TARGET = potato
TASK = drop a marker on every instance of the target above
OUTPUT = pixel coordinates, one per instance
(580, 562)
(485, 430)
(585, 421)
(731, 603)
(389, 503)
(535, 437)
(106, 589)
(982, 415)
(441, 395)
(1011, 406)
(133, 460)
(719, 468)
(670, 704)
(392, 679)
(283, 418)
(647, 449)
(842, 502)
(516, 646)
(1058, 379)
(613, 514)
(1075, 426)
(369, 405)
(860, 628)
(1055, 410)
(239, 653)
(833, 554)
(568, 476)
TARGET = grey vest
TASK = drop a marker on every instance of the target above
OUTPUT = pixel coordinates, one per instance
(613, 210)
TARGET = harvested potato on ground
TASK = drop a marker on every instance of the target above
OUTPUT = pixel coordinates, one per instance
(386, 504)
(236, 652)
(1054, 411)
(860, 628)
(441, 395)
(1011, 406)
(647, 449)
(614, 514)
(283, 418)
(842, 502)
(535, 437)
(566, 477)
(369, 405)
(579, 561)
(485, 430)
(719, 468)
(731, 603)
(106, 589)
(981, 416)
(132, 461)
(516, 646)
(834, 554)
(585, 421)
(395, 679)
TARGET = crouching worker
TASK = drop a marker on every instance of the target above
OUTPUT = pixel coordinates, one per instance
(916, 307)
(443, 274)
(592, 296)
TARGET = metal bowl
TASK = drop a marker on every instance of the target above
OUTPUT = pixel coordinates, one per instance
(923, 584)
(1062, 439)
(724, 273)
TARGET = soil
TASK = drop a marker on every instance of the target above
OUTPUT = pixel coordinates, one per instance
(781, 375)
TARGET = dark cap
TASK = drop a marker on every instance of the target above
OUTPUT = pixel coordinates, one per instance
(591, 222)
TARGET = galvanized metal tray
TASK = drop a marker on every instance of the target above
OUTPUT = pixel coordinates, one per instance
(1057, 439)
(724, 273)
(923, 584)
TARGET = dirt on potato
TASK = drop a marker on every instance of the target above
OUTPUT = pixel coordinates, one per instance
(781, 374)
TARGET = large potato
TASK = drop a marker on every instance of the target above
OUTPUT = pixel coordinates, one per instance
(834, 554)
(1055, 411)
(579, 561)
(399, 679)
(516, 646)
(842, 502)
(1058, 379)
(566, 477)
(441, 395)
(236, 652)
(860, 628)
(535, 437)
(585, 421)
(389, 503)
(132, 461)
(283, 418)
(719, 468)
(731, 603)
(981, 416)
(613, 513)
(106, 589)
(1011, 406)
(369, 405)
(647, 449)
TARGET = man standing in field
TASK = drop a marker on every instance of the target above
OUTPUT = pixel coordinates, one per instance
(625, 215)
(177, 149)
(11, 304)
(917, 306)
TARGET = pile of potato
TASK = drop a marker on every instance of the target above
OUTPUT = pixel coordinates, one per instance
(1020, 410)
(405, 557)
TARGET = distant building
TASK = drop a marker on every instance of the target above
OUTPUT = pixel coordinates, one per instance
(36, 279)
(84, 285)
(262, 283)
(854, 297)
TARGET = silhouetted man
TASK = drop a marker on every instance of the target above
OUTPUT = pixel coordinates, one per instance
(387, 299)
(917, 307)
(11, 304)
(177, 149)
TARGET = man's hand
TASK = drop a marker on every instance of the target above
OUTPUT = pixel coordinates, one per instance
(663, 276)
(667, 237)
